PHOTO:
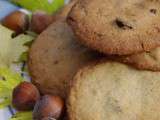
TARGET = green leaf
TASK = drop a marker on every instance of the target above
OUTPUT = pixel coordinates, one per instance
(31, 33)
(4, 45)
(49, 6)
(18, 46)
(22, 116)
(23, 57)
(11, 79)
(11, 49)
(5, 102)
(8, 81)
(28, 43)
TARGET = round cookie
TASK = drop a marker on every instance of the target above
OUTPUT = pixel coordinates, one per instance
(117, 27)
(143, 61)
(63, 12)
(55, 57)
(114, 91)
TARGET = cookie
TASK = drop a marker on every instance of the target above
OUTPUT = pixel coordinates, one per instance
(117, 27)
(63, 12)
(55, 57)
(142, 61)
(114, 91)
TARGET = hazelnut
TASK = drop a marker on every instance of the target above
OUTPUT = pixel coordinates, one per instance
(40, 21)
(25, 96)
(17, 21)
(48, 107)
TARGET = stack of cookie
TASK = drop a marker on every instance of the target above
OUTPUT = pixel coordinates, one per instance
(56, 55)
(125, 31)
(128, 28)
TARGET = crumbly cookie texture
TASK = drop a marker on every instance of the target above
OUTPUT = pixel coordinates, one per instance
(142, 61)
(114, 91)
(119, 27)
(55, 57)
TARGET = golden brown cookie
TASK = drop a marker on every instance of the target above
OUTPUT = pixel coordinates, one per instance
(64, 11)
(55, 57)
(117, 26)
(114, 91)
(142, 61)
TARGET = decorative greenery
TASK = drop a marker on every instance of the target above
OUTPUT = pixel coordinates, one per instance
(22, 116)
(49, 6)
(8, 81)
(23, 57)
(12, 48)
(28, 43)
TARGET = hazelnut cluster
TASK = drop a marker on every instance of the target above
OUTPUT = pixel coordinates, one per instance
(27, 97)
(19, 22)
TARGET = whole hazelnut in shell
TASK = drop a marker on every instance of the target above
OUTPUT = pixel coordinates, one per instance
(48, 107)
(25, 96)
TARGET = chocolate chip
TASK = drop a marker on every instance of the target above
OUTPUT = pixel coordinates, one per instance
(122, 24)
(154, 11)
(71, 20)
(56, 62)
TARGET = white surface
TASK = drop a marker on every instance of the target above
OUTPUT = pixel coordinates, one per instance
(5, 114)
(6, 8)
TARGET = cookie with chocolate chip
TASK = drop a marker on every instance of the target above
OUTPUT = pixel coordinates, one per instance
(114, 91)
(142, 61)
(118, 27)
(55, 56)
